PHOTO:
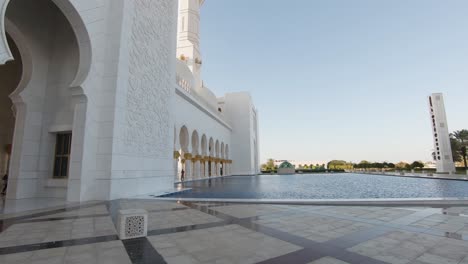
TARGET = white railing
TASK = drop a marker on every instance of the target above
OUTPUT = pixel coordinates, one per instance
(184, 84)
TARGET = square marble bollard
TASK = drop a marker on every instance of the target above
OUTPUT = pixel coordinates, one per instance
(132, 223)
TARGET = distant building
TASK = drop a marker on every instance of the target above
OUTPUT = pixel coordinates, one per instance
(430, 165)
(442, 149)
(286, 168)
(301, 163)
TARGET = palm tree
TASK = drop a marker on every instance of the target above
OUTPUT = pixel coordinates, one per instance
(462, 137)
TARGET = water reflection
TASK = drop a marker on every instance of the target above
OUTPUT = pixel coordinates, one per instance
(324, 186)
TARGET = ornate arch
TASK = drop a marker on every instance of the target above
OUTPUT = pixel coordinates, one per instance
(26, 59)
(184, 139)
(203, 145)
(217, 149)
(222, 151)
(195, 143)
(76, 22)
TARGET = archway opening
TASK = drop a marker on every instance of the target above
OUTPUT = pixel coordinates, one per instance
(184, 145)
(47, 59)
(10, 77)
(204, 154)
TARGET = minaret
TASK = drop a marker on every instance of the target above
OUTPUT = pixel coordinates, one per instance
(440, 132)
(188, 37)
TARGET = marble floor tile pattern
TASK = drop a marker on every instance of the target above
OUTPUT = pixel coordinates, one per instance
(249, 210)
(49, 231)
(313, 227)
(445, 223)
(99, 253)
(385, 214)
(225, 244)
(238, 233)
(406, 247)
(171, 219)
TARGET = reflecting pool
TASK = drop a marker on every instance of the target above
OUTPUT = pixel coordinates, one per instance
(324, 186)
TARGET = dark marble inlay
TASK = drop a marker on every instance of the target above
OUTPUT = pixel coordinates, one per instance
(186, 228)
(60, 218)
(57, 244)
(168, 210)
(5, 223)
(302, 256)
(141, 251)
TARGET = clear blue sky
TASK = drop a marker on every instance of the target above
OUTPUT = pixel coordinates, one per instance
(340, 79)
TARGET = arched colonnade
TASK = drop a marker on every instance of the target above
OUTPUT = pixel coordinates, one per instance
(199, 156)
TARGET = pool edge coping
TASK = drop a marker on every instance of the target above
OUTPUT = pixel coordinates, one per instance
(383, 201)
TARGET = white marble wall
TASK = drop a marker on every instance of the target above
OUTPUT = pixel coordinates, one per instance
(241, 115)
(142, 149)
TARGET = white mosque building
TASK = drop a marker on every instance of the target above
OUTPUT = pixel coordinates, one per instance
(103, 99)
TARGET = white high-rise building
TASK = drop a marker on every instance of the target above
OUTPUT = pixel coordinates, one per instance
(440, 132)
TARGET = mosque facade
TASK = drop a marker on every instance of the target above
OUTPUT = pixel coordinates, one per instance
(104, 99)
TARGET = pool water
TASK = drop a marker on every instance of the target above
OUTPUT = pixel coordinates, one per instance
(324, 186)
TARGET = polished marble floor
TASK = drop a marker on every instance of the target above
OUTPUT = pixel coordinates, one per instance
(190, 232)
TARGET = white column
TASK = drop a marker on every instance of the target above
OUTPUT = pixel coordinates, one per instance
(196, 172)
(188, 169)
(176, 173)
(202, 170)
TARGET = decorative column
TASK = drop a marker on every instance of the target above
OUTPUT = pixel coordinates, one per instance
(207, 159)
(213, 167)
(226, 167)
(222, 169)
(196, 171)
(176, 164)
(182, 161)
(188, 166)
(202, 168)
(194, 168)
